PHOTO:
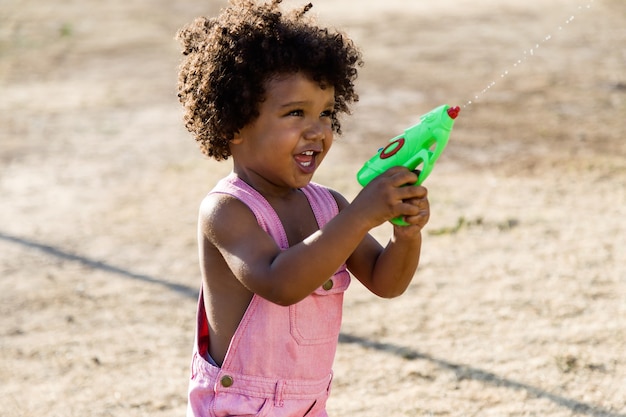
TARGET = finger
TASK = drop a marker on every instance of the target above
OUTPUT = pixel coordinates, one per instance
(401, 176)
(411, 192)
(419, 219)
(419, 207)
(421, 200)
(409, 209)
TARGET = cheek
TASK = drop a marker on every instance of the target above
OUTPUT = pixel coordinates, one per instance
(328, 143)
(330, 137)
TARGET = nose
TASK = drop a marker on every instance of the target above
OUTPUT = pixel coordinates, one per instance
(317, 130)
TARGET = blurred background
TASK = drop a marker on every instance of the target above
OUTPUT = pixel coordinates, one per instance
(519, 306)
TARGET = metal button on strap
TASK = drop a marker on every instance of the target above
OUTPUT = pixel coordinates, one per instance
(227, 381)
(328, 285)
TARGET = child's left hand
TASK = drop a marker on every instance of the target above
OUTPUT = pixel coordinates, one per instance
(418, 220)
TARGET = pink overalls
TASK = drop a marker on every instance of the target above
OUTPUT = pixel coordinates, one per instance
(279, 362)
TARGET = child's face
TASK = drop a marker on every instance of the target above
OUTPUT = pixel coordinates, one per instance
(284, 146)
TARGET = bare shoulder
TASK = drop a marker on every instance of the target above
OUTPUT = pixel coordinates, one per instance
(229, 233)
(221, 216)
(342, 202)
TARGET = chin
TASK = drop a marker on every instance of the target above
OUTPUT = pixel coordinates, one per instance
(303, 180)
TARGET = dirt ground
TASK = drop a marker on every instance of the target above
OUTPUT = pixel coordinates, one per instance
(518, 308)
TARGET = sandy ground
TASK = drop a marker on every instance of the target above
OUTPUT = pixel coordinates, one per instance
(519, 307)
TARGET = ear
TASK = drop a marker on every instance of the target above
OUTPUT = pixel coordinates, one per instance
(237, 139)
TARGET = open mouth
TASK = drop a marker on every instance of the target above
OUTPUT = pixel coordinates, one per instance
(306, 160)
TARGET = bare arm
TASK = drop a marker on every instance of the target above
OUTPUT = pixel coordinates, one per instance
(388, 271)
(286, 277)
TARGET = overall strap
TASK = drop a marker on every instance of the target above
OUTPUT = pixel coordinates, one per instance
(262, 210)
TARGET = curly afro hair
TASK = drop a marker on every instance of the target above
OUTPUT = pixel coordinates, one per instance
(228, 60)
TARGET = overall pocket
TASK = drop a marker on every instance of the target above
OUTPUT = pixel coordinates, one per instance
(316, 320)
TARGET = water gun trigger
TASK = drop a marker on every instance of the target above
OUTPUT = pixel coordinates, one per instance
(424, 159)
(421, 165)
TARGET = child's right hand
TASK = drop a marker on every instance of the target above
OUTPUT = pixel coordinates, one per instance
(390, 195)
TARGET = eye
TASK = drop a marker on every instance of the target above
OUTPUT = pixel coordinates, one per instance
(296, 113)
(327, 113)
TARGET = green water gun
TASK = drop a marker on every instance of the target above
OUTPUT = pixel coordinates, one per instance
(418, 148)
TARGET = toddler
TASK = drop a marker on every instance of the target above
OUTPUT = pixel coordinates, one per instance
(266, 88)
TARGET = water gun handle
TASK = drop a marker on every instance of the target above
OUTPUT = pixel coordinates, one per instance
(418, 148)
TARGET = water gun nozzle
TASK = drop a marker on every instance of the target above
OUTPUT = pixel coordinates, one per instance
(453, 112)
